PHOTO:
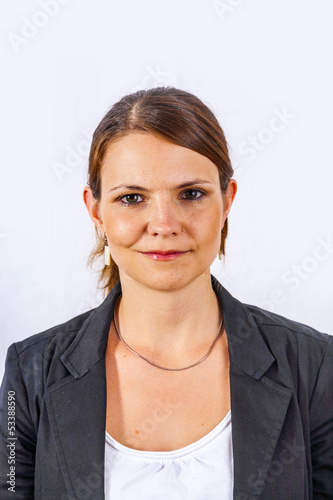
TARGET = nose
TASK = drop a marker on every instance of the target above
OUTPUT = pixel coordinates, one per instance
(164, 219)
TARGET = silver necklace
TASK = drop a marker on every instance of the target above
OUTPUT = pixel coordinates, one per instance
(162, 367)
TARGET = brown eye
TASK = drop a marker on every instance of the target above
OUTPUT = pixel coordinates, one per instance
(193, 194)
(131, 199)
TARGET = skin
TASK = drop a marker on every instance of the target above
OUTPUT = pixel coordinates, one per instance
(161, 216)
(168, 311)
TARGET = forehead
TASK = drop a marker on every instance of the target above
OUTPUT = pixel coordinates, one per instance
(149, 156)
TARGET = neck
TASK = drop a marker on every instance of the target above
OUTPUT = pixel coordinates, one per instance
(180, 322)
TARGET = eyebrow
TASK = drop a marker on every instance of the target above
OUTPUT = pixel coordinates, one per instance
(141, 188)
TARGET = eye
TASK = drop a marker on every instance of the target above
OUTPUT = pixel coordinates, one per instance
(130, 199)
(193, 194)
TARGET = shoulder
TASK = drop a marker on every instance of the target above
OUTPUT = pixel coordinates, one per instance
(302, 356)
(283, 335)
(276, 324)
(53, 334)
(37, 351)
(263, 335)
(272, 327)
(48, 356)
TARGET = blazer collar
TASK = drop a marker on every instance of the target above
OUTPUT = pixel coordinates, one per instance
(243, 336)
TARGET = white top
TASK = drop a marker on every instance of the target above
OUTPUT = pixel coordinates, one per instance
(201, 470)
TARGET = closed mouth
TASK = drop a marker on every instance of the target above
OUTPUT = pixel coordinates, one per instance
(164, 254)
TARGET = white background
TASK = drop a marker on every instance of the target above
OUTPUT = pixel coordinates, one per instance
(249, 60)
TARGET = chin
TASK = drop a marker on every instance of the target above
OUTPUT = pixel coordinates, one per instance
(168, 280)
(165, 285)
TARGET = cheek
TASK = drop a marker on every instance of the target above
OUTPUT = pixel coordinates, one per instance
(123, 231)
(207, 226)
(214, 234)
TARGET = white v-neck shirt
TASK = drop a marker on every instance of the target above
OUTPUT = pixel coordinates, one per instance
(200, 471)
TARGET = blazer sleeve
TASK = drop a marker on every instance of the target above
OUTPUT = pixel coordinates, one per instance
(17, 434)
(321, 418)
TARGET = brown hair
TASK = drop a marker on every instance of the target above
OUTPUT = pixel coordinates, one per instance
(170, 113)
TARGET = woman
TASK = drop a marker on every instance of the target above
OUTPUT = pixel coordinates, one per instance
(171, 388)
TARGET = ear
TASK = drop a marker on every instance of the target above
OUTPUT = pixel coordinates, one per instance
(93, 208)
(228, 199)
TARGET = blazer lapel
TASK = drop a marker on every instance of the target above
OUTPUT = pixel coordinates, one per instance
(77, 406)
(258, 404)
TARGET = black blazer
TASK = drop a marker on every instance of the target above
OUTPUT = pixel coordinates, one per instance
(281, 375)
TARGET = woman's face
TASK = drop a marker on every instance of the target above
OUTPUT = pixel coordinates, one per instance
(162, 210)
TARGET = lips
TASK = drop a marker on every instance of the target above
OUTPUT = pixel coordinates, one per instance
(164, 254)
